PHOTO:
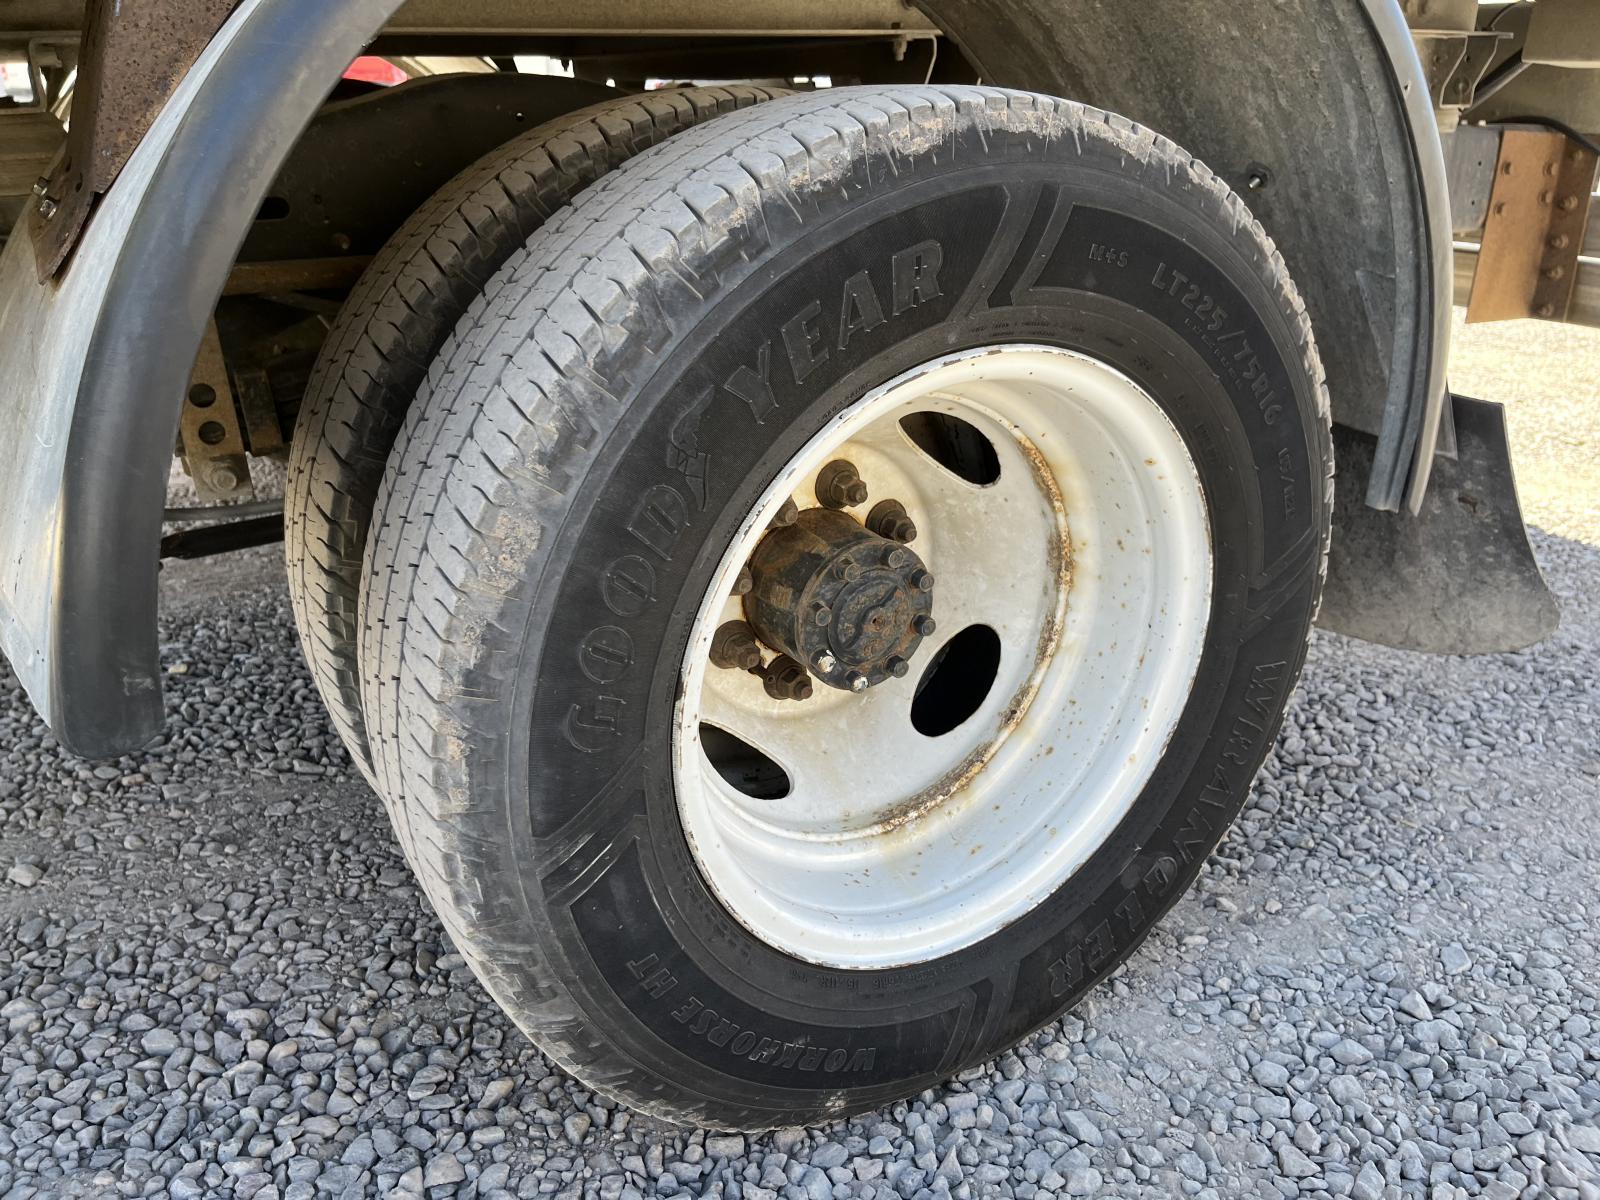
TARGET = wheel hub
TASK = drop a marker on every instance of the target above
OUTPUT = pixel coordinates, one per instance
(851, 606)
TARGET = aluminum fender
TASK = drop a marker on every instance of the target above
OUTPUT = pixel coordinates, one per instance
(93, 367)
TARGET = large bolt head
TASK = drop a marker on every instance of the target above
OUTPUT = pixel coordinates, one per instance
(785, 679)
(840, 486)
(888, 519)
(221, 477)
(786, 515)
(734, 647)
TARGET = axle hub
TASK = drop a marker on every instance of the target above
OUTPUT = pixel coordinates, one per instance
(850, 605)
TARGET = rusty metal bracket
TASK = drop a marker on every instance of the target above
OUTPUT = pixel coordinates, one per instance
(1534, 233)
(134, 53)
(211, 436)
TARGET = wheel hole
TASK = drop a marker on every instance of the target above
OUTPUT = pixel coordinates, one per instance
(743, 766)
(956, 681)
(954, 444)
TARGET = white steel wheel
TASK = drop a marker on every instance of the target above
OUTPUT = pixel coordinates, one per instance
(1060, 516)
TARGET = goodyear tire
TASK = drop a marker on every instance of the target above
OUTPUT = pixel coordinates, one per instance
(624, 410)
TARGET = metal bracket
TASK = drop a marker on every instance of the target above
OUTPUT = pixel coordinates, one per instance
(1454, 62)
(210, 433)
(1534, 232)
(132, 58)
(39, 53)
(1471, 154)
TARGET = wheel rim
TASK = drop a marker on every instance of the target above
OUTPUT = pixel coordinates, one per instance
(1088, 556)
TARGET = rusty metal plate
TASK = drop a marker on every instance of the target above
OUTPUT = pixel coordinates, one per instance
(1534, 231)
(134, 54)
(1569, 219)
(210, 433)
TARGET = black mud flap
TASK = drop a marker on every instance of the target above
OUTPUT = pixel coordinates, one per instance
(1457, 578)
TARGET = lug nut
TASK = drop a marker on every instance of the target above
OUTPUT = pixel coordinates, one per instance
(857, 681)
(847, 570)
(825, 662)
(898, 667)
(785, 516)
(925, 625)
(734, 646)
(839, 485)
(785, 679)
(888, 519)
(821, 613)
(744, 583)
(922, 580)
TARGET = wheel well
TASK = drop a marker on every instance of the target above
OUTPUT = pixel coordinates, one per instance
(1322, 96)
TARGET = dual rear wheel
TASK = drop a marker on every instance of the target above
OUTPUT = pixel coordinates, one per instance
(831, 588)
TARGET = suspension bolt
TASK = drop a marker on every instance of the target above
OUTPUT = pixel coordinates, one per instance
(785, 516)
(922, 580)
(925, 625)
(734, 646)
(745, 582)
(840, 486)
(826, 662)
(888, 519)
(222, 477)
(857, 681)
(898, 667)
(785, 679)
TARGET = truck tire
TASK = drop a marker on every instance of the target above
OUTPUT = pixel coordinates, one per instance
(386, 334)
(1000, 423)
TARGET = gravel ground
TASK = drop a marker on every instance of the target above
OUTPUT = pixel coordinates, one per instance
(217, 979)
